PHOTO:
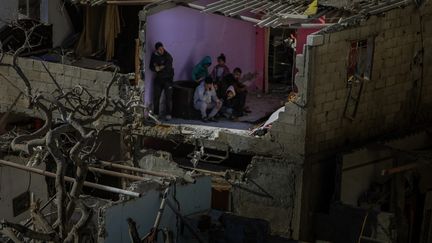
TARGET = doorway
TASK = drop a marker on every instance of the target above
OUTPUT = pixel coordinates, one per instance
(281, 57)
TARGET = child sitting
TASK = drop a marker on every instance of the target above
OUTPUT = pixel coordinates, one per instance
(229, 103)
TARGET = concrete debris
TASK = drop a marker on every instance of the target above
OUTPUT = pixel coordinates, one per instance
(161, 161)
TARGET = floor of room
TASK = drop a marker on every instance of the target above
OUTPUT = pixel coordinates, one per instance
(261, 106)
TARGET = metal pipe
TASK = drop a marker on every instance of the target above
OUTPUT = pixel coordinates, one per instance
(252, 5)
(249, 19)
(216, 3)
(161, 209)
(130, 2)
(27, 223)
(261, 8)
(282, 7)
(221, 7)
(309, 26)
(403, 168)
(268, 21)
(387, 7)
(117, 174)
(125, 167)
(215, 173)
(236, 6)
(196, 6)
(69, 179)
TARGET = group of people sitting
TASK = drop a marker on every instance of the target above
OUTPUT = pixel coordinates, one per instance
(218, 92)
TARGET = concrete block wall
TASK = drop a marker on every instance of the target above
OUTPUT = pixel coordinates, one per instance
(426, 27)
(67, 76)
(290, 129)
(398, 83)
(280, 178)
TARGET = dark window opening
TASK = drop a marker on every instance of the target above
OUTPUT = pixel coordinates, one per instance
(281, 59)
(359, 70)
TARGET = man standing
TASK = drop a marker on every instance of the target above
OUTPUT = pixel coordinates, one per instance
(205, 99)
(161, 63)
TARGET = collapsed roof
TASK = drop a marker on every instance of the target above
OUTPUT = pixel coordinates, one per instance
(272, 13)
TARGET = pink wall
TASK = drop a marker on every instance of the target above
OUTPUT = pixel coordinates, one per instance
(189, 35)
(302, 38)
(303, 33)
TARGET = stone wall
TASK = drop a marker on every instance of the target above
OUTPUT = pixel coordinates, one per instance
(67, 76)
(399, 93)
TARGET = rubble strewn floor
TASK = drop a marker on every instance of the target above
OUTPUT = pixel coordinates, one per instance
(231, 125)
(261, 107)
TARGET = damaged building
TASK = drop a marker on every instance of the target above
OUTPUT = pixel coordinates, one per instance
(336, 148)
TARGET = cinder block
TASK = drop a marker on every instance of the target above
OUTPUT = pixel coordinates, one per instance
(33, 75)
(104, 77)
(320, 118)
(330, 135)
(288, 119)
(25, 63)
(319, 98)
(328, 106)
(330, 96)
(44, 77)
(332, 115)
(7, 59)
(89, 74)
(56, 68)
(4, 70)
(71, 71)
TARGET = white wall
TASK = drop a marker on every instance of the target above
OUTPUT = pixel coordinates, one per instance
(13, 182)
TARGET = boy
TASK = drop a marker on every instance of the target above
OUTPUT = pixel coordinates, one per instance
(205, 99)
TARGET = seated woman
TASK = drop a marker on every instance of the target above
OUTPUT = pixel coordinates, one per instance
(205, 99)
(200, 71)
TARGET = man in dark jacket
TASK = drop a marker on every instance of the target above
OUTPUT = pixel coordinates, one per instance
(161, 63)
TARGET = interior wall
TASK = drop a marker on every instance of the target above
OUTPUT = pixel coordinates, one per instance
(189, 35)
(359, 170)
(13, 182)
(8, 11)
(58, 17)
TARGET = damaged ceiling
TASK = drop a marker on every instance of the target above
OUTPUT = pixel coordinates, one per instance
(266, 13)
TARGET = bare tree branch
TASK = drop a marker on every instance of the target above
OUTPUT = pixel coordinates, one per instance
(28, 233)
(72, 140)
